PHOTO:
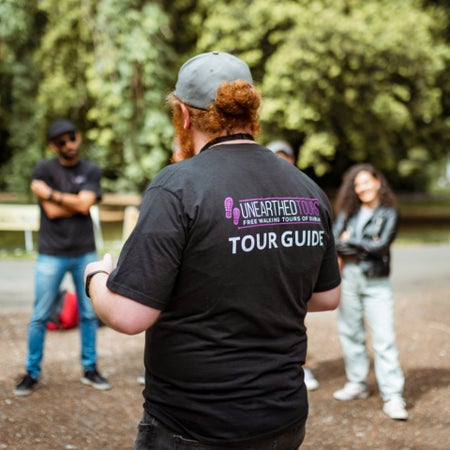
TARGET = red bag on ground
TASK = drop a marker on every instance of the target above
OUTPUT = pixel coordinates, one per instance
(65, 312)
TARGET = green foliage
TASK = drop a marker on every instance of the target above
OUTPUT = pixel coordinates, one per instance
(128, 82)
(18, 83)
(111, 71)
(102, 64)
(346, 81)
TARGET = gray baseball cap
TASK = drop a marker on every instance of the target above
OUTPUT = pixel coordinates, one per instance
(200, 77)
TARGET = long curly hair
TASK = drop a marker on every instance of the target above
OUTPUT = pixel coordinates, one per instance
(236, 107)
(349, 202)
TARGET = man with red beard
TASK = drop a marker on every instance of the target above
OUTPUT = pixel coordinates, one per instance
(66, 187)
(225, 333)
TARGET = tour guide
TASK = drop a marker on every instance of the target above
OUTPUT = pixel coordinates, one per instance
(224, 317)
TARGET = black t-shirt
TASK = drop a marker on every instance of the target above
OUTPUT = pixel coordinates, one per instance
(68, 236)
(230, 245)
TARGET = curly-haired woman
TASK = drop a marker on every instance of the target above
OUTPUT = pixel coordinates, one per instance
(365, 227)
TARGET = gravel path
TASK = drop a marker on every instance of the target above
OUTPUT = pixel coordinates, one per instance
(64, 414)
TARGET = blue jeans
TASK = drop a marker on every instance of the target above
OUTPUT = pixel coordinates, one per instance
(369, 299)
(152, 435)
(49, 273)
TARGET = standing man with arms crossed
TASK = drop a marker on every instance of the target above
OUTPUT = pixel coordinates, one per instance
(66, 188)
(212, 273)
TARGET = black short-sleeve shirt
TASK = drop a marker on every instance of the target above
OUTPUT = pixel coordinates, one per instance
(229, 245)
(68, 236)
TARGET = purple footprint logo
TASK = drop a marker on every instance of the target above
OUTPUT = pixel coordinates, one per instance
(236, 215)
(228, 203)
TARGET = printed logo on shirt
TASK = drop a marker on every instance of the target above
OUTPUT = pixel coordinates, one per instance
(274, 211)
(79, 179)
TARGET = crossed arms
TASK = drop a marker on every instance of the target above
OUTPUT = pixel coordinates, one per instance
(57, 204)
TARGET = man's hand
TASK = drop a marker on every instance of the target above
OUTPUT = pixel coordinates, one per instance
(106, 264)
(116, 311)
(41, 189)
(345, 236)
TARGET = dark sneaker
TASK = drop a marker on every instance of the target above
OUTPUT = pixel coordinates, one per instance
(25, 387)
(94, 379)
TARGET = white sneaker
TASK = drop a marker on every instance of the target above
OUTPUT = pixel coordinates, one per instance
(310, 381)
(351, 391)
(395, 409)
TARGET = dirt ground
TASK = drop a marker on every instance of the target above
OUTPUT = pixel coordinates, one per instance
(64, 414)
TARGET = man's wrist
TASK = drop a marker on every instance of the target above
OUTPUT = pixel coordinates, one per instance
(56, 196)
(89, 277)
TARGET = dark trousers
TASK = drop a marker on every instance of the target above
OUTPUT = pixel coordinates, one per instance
(152, 435)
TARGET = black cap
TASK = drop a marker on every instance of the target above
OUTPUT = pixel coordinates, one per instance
(58, 127)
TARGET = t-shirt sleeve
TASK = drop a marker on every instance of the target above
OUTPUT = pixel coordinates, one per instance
(149, 262)
(40, 171)
(92, 183)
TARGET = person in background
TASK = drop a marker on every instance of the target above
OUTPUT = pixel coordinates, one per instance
(285, 151)
(365, 227)
(282, 149)
(66, 187)
(211, 272)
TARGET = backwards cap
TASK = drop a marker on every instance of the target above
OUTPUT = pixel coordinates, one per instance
(200, 77)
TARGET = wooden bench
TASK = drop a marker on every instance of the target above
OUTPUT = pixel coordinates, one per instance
(15, 217)
(24, 218)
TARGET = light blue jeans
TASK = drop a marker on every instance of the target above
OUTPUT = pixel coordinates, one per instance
(363, 297)
(49, 273)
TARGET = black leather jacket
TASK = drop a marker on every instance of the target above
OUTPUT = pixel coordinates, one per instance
(372, 250)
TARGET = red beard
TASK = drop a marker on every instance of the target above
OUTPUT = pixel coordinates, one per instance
(184, 146)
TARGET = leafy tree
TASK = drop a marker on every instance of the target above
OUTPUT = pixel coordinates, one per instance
(349, 81)
(104, 64)
(129, 81)
(344, 82)
(111, 70)
(19, 35)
